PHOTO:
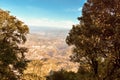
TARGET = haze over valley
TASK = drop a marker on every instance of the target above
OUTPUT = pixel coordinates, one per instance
(48, 45)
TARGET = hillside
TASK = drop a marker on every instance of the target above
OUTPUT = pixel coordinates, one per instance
(48, 52)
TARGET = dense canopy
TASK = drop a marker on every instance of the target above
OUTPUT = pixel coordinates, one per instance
(96, 39)
(12, 34)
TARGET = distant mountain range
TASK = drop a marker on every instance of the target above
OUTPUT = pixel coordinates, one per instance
(49, 31)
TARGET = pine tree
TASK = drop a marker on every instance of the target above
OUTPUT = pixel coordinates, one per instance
(12, 34)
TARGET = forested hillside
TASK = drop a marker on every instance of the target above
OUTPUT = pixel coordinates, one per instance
(88, 51)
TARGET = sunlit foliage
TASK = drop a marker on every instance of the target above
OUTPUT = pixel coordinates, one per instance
(96, 39)
(12, 34)
(34, 71)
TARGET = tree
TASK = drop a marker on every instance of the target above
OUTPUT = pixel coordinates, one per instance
(63, 75)
(96, 39)
(12, 58)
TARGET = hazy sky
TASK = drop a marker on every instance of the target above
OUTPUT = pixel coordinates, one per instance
(50, 13)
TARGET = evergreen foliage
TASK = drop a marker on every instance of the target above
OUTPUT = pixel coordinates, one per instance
(63, 75)
(96, 39)
(12, 34)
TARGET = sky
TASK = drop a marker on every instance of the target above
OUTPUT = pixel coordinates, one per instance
(45, 13)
